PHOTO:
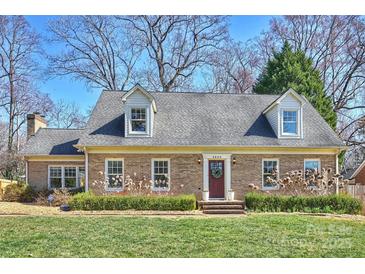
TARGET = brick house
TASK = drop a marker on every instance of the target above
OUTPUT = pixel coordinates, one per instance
(208, 144)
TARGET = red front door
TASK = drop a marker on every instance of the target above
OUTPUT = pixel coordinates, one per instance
(216, 179)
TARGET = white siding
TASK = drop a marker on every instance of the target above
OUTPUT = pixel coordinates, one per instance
(137, 97)
(289, 102)
(272, 117)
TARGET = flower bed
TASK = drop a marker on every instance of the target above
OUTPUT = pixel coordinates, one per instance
(342, 204)
(88, 201)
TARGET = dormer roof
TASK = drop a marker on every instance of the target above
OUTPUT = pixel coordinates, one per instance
(290, 91)
(139, 88)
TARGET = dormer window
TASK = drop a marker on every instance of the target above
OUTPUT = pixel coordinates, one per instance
(138, 120)
(290, 122)
(285, 115)
(139, 112)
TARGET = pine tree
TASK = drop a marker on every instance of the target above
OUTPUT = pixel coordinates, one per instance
(289, 69)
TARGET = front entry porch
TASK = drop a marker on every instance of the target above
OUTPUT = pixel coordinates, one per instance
(217, 177)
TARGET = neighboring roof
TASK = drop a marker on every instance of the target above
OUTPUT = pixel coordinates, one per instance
(300, 98)
(203, 119)
(53, 141)
(357, 170)
(347, 173)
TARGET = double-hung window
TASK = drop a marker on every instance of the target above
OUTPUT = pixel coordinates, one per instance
(138, 120)
(270, 173)
(70, 177)
(290, 122)
(161, 174)
(311, 166)
(55, 177)
(114, 174)
(65, 176)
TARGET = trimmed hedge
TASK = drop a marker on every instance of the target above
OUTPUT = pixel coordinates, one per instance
(88, 201)
(342, 204)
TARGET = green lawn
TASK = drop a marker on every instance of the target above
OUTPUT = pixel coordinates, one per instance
(257, 235)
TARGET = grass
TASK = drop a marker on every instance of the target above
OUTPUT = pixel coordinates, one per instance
(256, 235)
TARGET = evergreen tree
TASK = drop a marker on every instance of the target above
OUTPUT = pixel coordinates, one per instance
(289, 69)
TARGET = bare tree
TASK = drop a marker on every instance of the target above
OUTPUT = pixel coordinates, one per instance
(18, 44)
(232, 69)
(177, 46)
(66, 115)
(98, 49)
(337, 46)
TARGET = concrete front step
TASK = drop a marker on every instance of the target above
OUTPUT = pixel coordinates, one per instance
(218, 202)
(223, 206)
(223, 211)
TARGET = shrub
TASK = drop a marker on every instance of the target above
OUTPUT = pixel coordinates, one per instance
(88, 201)
(18, 193)
(342, 204)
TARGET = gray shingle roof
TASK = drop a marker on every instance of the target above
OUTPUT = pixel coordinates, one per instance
(199, 119)
(53, 141)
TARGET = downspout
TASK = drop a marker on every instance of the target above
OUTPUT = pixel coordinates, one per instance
(337, 172)
(26, 172)
(86, 170)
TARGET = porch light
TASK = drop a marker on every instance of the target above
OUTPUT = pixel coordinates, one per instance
(199, 161)
(234, 160)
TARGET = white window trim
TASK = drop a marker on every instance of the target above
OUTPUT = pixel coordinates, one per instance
(309, 160)
(262, 173)
(153, 173)
(63, 176)
(128, 121)
(113, 189)
(286, 134)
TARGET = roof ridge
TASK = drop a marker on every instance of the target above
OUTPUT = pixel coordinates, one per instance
(57, 128)
(198, 92)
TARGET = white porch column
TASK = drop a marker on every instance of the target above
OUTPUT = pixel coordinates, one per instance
(205, 174)
(227, 176)
(86, 170)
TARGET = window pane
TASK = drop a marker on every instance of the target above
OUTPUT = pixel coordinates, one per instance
(55, 172)
(114, 181)
(115, 174)
(139, 126)
(311, 167)
(56, 182)
(161, 176)
(270, 173)
(81, 178)
(70, 182)
(70, 172)
(290, 122)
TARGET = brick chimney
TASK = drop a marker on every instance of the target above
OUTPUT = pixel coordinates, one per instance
(35, 121)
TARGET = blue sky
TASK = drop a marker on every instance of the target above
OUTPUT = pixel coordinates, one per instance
(241, 28)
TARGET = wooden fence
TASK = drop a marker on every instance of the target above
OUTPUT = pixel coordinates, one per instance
(356, 191)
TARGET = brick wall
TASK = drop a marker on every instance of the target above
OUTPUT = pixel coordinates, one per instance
(248, 168)
(38, 173)
(186, 171)
(186, 174)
